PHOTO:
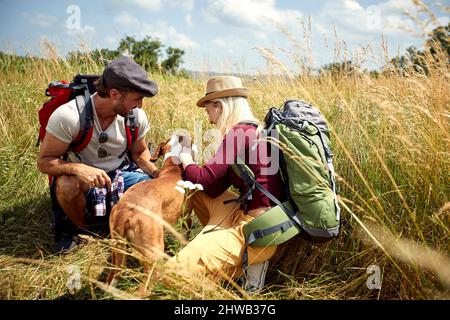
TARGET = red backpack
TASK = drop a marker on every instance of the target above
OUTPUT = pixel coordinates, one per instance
(80, 89)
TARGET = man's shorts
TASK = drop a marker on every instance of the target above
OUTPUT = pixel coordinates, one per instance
(99, 203)
(131, 175)
(130, 178)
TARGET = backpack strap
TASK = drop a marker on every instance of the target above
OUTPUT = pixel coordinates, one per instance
(257, 234)
(245, 173)
(329, 162)
(131, 130)
(84, 106)
(294, 219)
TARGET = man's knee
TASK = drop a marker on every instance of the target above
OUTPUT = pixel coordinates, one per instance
(67, 187)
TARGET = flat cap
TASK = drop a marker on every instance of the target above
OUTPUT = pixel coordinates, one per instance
(124, 73)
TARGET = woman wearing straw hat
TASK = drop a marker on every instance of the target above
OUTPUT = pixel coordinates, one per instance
(219, 247)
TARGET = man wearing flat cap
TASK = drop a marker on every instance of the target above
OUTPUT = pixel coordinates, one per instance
(83, 180)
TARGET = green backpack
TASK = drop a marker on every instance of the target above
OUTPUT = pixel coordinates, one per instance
(306, 162)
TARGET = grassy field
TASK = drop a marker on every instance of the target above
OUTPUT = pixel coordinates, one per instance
(391, 142)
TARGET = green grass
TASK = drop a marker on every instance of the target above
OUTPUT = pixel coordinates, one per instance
(391, 143)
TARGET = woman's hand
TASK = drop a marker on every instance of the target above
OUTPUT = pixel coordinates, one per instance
(186, 155)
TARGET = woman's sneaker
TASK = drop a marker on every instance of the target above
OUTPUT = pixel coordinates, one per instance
(255, 277)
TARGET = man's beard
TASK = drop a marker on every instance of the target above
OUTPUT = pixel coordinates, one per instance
(119, 109)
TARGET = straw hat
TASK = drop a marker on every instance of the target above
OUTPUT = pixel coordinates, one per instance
(222, 87)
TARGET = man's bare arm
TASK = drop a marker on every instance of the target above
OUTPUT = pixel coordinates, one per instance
(141, 155)
(50, 162)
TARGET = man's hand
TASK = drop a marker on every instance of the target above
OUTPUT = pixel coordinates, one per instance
(92, 177)
(50, 162)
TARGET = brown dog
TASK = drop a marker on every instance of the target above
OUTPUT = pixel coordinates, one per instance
(133, 217)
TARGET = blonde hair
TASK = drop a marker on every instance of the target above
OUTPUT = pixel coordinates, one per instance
(234, 110)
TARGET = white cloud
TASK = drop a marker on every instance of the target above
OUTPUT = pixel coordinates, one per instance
(186, 5)
(150, 5)
(181, 40)
(157, 5)
(219, 42)
(112, 40)
(161, 30)
(127, 20)
(85, 33)
(358, 25)
(168, 35)
(227, 45)
(399, 5)
(347, 14)
(39, 19)
(188, 19)
(395, 10)
(259, 14)
(443, 21)
(385, 17)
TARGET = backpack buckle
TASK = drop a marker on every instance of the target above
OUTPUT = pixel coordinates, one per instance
(258, 234)
(131, 119)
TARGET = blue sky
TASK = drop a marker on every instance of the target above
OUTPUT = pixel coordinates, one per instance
(222, 35)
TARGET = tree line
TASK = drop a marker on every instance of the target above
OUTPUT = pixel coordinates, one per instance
(147, 52)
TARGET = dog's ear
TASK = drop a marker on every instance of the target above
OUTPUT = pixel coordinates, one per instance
(158, 152)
